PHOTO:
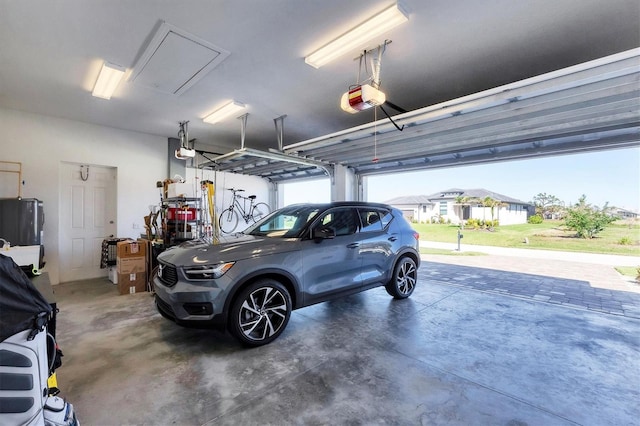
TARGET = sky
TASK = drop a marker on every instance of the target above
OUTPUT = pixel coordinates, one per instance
(611, 176)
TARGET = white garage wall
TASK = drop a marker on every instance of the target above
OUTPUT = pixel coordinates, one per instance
(42, 143)
(251, 184)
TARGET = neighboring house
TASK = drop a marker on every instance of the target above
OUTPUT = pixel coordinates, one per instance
(455, 205)
(623, 213)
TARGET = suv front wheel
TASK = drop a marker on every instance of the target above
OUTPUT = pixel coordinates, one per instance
(260, 313)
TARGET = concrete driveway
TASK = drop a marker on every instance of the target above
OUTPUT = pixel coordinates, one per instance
(475, 345)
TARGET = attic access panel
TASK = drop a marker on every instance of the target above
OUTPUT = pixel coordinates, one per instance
(175, 60)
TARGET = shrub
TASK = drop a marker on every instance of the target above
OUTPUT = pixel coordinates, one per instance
(625, 241)
(441, 220)
(586, 219)
(535, 219)
(473, 223)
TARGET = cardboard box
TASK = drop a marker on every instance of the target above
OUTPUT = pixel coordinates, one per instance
(149, 256)
(180, 190)
(130, 248)
(132, 283)
(131, 265)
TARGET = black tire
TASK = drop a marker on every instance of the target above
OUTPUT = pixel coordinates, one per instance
(228, 221)
(404, 278)
(260, 210)
(260, 312)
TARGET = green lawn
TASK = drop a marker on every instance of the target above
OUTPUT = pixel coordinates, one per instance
(629, 271)
(549, 235)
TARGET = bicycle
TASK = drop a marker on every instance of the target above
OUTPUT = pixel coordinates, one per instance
(230, 217)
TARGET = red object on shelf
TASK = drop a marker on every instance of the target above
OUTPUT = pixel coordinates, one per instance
(174, 213)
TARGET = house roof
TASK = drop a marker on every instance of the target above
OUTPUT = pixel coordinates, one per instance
(623, 210)
(452, 193)
(409, 199)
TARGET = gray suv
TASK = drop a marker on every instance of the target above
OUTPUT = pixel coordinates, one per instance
(299, 255)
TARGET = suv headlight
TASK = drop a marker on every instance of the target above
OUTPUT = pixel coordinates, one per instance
(207, 272)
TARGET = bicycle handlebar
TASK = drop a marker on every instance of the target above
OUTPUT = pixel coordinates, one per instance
(236, 196)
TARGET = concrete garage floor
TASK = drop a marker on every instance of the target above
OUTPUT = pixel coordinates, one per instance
(472, 346)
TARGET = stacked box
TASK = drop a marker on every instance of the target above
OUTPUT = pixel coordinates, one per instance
(131, 267)
(149, 259)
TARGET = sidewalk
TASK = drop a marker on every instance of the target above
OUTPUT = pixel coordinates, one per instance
(591, 258)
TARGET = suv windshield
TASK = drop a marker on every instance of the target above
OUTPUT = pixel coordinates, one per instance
(285, 223)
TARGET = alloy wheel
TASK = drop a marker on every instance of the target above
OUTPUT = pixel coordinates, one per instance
(263, 314)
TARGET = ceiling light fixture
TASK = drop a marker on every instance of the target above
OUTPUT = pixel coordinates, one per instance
(229, 109)
(108, 80)
(369, 29)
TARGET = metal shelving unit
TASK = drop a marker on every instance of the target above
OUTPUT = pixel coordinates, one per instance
(182, 220)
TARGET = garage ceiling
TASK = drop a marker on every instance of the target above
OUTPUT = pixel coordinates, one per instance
(590, 106)
(52, 52)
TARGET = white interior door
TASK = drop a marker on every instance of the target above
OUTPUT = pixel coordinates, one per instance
(87, 216)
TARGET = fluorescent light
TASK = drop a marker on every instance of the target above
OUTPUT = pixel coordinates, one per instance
(231, 108)
(108, 80)
(369, 29)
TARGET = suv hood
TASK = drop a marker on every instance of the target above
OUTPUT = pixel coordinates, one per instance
(231, 248)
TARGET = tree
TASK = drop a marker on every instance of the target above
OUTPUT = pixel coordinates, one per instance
(465, 201)
(547, 204)
(492, 204)
(588, 220)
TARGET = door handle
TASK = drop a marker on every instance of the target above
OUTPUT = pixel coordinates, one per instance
(392, 239)
(353, 245)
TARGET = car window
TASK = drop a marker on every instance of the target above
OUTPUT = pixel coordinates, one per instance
(342, 220)
(385, 218)
(373, 219)
(370, 220)
(285, 223)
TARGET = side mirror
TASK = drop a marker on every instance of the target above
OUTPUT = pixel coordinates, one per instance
(323, 233)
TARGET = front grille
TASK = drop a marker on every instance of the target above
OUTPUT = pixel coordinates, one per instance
(168, 274)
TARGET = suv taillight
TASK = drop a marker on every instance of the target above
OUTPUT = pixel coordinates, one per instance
(416, 235)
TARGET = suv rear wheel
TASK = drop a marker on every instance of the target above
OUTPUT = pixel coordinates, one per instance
(260, 313)
(404, 278)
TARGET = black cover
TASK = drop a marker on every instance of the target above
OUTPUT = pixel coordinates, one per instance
(22, 307)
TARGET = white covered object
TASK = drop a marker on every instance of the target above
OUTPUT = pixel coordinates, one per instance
(180, 190)
(24, 256)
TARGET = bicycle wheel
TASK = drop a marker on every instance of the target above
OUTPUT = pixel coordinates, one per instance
(228, 221)
(260, 210)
